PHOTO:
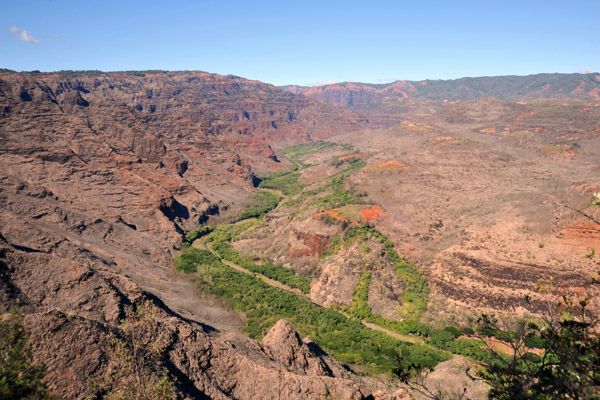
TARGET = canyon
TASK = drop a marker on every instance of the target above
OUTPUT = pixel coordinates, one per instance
(482, 184)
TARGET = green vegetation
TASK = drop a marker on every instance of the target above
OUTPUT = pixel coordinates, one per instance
(188, 262)
(194, 234)
(340, 160)
(595, 199)
(360, 307)
(416, 294)
(444, 339)
(286, 182)
(19, 378)
(309, 148)
(262, 202)
(220, 239)
(346, 338)
(569, 368)
(339, 196)
(440, 338)
(591, 254)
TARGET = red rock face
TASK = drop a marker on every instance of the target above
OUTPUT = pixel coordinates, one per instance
(160, 135)
(313, 245)
(98, 177)
(353, 94)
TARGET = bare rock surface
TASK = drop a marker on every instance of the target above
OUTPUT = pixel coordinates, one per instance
(284, 344)
(99, 175)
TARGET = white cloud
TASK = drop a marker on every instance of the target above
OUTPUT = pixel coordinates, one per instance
(321, 83)
(386, 80)
(22, 35)
(585, 70)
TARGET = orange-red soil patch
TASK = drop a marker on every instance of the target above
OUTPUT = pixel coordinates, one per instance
(543, 89)
(580, 89)
(451, 140)
(335, 215)
(351, 156)
(372, 213)
(564, 153)
(487, 130)
(388, 165)
(582, 236)
(568, 136)
(523, 114)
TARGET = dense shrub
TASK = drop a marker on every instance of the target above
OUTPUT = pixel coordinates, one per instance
(346, 338)
(220, 243)
(19, 378)
(262, 202)
(194, 234)
(189, 261)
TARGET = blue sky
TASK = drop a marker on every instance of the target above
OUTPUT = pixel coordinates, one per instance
(305, 42)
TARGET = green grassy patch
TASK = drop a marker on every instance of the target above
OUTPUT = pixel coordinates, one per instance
(339, 195)
(286, 183)
(220, 242)
(347, 339)
(189, 261)
(416, 294)
(262, 202)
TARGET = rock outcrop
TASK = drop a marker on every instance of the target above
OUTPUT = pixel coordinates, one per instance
(99, 175)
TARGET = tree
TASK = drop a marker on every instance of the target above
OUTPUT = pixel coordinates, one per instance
(136, 369)
(19, 378)
(569, 367)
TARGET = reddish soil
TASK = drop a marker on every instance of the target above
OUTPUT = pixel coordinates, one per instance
(388, 165)
(580, 89)
(543, 89)
(580, 238)
(372, 213)
(314, 245)
(417, 126)
(351, 156)
(335, 215)
(562, 153)
(523, 114)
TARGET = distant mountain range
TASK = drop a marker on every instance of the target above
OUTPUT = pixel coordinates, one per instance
(358, 95)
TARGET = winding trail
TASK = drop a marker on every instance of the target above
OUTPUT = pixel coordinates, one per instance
(199, 244)
(393, 334)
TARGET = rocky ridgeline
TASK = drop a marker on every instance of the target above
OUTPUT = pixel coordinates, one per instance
(350, 94)
(99, 174)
